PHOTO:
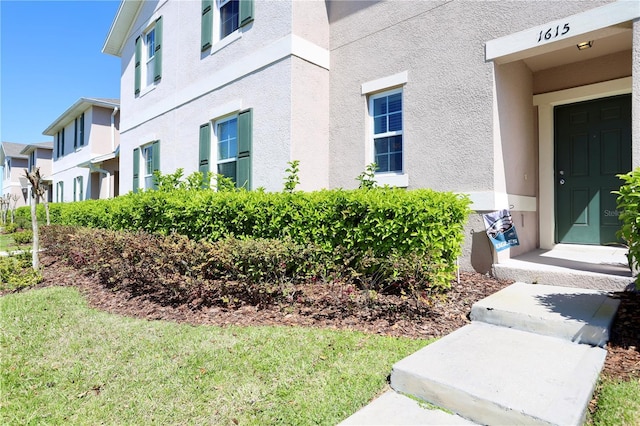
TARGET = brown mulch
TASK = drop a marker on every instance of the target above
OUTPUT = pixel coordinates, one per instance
(440, 316)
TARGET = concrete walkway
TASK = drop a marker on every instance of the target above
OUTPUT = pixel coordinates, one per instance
(531, 355)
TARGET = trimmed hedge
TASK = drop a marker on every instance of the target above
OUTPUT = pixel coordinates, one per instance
(382, 222)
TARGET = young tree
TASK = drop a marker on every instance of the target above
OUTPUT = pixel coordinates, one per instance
(37, 191)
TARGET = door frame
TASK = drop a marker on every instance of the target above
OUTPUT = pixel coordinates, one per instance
(546, 152)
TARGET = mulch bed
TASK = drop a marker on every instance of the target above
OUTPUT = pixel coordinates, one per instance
(322, 308)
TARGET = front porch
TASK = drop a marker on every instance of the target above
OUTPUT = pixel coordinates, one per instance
(571, 265)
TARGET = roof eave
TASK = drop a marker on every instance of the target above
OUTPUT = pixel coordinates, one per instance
(76, 109)
(122, 23)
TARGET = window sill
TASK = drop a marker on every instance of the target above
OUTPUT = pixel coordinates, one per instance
(147, 89)
(392, 179)
(236, 35)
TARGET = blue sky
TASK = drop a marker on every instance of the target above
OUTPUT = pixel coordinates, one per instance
(50, 56)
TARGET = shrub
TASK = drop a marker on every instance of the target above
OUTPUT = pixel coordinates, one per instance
(23, 237)
(629, 206)
(16, 272)
(423, 223)
(10, 228)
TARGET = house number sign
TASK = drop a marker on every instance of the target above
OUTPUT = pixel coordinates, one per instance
(559, 30)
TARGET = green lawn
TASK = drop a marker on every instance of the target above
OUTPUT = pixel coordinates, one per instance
(63, 362)
(618, 403)
(7, 244)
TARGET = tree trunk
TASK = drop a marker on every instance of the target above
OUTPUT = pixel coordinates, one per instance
(35, 260)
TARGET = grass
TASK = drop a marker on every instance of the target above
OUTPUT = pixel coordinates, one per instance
(63, 362)
(7, 244)
(618, 403)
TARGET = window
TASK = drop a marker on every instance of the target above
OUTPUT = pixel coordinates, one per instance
(224, 19)
(60, 192)
(150, 155)
(7, 171)
(386, 112)
(150, 50)
(32, 160)
(78, 190)
(148, 57)
(233, 140)
(227, 137)
(60, 143)
(78, 134)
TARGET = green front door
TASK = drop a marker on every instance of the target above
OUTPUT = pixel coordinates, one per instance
(592, 146)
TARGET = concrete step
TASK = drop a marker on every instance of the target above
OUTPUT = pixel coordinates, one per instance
(570, 265)
(516, 271)
(496, 375)
(578, 315)
(392, 408)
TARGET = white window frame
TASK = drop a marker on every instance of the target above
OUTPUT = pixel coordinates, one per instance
(219, 41)
(370, 90)
(147, 77)
(147, 165)
(216, 140)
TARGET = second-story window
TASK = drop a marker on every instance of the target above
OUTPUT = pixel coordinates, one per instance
(148, 57)
(32, 160)
(221, 20)
(150, 54)
(229, 13)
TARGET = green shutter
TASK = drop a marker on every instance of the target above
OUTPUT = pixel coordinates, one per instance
(75, 134)
(246, 12)
(205, 149)
(157, 70)
(245, 136)
(75, 192)
(137, 64)
(136, 169)
(81, 185)
(156, 161)
(82, 129)
(206, 36)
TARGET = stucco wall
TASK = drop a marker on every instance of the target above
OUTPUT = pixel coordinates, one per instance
(100, 132)
(178, 129)
(609, 67)
(448, 99)
(310, 124)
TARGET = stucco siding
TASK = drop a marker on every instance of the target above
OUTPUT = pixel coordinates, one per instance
(609, 67)
(100, 137)
(310, 124)
(448, 121)
(267, 93)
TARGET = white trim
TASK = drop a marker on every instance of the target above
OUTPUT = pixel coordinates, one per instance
(493, 200)
(392, 179)
(546, 174)
(385, 83)
(285, 47)
(310, 52)
(221, 44)
(578, 24)
(229, 108)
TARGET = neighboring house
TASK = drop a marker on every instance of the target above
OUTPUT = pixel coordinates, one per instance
(40, 156)
(86, 149)
(14, 164)
(532, 106)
